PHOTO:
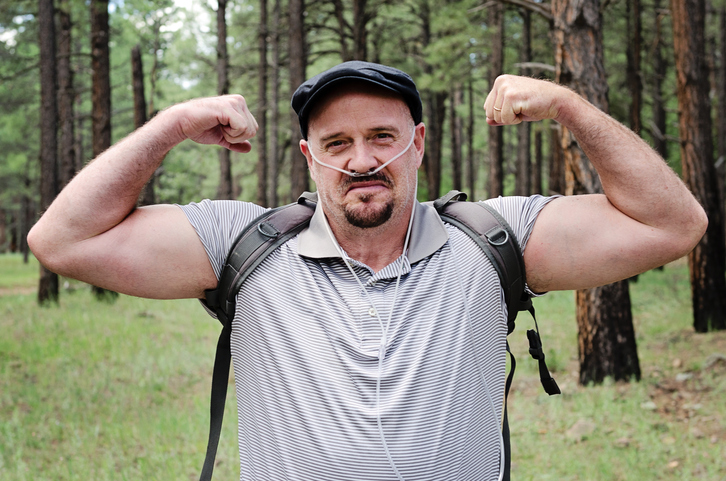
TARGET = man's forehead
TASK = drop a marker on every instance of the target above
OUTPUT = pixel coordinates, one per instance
(385, 110)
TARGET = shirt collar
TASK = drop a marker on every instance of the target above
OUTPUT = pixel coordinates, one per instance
(428, 235)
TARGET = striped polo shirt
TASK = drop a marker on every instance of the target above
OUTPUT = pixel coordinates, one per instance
(305, 352)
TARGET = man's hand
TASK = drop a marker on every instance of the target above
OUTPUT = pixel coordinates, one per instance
(522, 99)
(224, 121)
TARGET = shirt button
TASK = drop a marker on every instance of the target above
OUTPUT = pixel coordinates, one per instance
(372, 312)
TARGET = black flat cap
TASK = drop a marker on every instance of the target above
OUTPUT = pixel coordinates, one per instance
(390, 78)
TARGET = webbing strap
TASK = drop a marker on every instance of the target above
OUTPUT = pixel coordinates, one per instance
(220, 380)
(252, 246)
(535, 350)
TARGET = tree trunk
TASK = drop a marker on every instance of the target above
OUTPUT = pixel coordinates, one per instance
(262, 108)
(154, 74)
(101, 77)
(660, 70)
(496, 66)
(523, 181)
(225, 189)
(274, 114)
(137, 82)
(538, 157)
(360, 30)
(556, 175)
(100, 95)
(604, 318)
(707, 261)
(721, 115)
(470, 154)
(436, 109)
(48, 286)
(66, 97)
(606, 340)
(635, 84)
(455, 137)
(298, 62)
(343, 27)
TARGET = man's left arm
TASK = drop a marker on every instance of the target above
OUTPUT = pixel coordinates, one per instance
(645, 218)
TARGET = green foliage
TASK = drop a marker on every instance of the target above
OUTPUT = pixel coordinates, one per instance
(441, 43)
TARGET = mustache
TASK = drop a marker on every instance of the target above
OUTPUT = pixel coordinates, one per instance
(377, 177)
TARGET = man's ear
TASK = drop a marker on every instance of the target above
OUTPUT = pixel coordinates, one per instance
(305, 149)
(419, 142)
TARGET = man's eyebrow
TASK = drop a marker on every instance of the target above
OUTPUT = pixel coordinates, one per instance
(332, 136)
(382, 128)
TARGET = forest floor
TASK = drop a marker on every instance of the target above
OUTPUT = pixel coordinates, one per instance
(120, 391)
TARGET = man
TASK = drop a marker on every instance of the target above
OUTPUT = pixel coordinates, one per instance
(371, 346)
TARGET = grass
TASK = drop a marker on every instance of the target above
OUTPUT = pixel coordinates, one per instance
(120, 392)
(669, 426)
(106, 392)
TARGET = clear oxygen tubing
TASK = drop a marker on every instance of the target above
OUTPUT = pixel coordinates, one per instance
(371, 172)
(384, 329)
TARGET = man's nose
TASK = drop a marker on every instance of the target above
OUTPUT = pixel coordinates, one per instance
(363, 159)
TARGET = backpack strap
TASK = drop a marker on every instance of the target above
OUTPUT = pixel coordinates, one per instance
(262, 236)
(495, 237)
(491, 232)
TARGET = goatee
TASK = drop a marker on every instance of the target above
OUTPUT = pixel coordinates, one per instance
(366, 215)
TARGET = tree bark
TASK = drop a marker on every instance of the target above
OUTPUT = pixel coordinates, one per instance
(538, 158)
(556, 176)
(48, 285)
(721, 115)
(343, 27)
(66, 97)
(660, 70)
(606, 340)
(147, 196)
(455, 137)
(605, 327)
(225, 188)
(101, 77)
(154, 74)
(262, 108)
(635, 84)
(436, 109)
(100, 95)
(360, 30)
(297, 64)
(274, 160)
(496, 68)
(470, 154)
(523, 181)
(707, 261)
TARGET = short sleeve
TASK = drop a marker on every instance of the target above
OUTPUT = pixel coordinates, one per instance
(521, 214)
(218, 223)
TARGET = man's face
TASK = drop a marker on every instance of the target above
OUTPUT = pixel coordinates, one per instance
(358, 130)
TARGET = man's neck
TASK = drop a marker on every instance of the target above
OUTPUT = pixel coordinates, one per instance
(376, 247)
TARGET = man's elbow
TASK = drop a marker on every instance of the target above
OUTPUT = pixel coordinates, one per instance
(694, 229)
(44, 249)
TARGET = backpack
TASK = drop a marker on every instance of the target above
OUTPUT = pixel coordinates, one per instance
(276, 226)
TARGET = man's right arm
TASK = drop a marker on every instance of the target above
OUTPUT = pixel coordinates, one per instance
(94, 232)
